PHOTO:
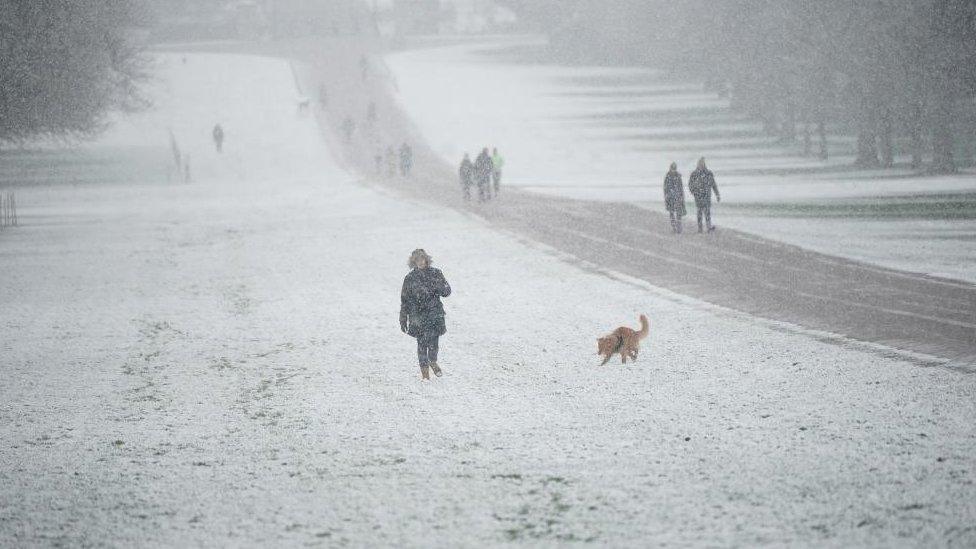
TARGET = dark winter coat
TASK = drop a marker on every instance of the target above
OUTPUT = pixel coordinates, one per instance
(674, 193)
(701, 184)
(466, 173)
(483, 168)
(421, 310)
(406, 158)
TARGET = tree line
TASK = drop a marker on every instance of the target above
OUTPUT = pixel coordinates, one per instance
(887, 69)
(64, 64)
(898, 75)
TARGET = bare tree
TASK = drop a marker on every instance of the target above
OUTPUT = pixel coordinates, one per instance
(64, 64)
(888, 71)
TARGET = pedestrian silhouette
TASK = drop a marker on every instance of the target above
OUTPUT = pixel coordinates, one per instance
(701, 183)
(406, 160)
(482, 174)
(674, 197)
(496, 169)
(218, 137)
(466, 177)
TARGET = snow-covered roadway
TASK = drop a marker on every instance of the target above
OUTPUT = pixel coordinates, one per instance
(608, 134)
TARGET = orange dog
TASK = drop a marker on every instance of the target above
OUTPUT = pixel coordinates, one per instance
(623, 340)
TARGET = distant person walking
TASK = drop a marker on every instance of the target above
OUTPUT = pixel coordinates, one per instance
(482, 174)
(496, 169)
(364, 66)
(218, 137)
(701, 183)
(466, 176)
(187, 178)
(406, 160)
(421, 310)
(674, 197)
(323, 96)
(348, 128)
(371, 113)
(391, 164)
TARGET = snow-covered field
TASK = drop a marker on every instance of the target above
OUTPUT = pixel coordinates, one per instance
(219, 363)
(610, 134)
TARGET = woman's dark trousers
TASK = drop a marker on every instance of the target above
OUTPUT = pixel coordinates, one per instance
(427, 349)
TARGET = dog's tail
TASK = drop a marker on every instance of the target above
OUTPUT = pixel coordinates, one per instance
(645, 328)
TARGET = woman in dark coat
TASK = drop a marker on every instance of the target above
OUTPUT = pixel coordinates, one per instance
(674, 197)
(421, 310)
(466, 174)
(482, 173)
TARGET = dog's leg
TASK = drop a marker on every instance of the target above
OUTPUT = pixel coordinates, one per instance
(606, 359)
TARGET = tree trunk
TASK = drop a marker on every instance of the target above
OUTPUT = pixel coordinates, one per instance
(942, 134)
(885, 140)
(768, 115)
(737, 93)
(867, 149)
(789, 121)
(966, 160)
(867, 125)
(915, 129)
(807, 139)
(822, 132)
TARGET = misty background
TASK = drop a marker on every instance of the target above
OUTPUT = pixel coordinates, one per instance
(897, 76)
(207, 209)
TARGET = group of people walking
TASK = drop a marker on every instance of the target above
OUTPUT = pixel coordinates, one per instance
(405, 165)
(421, 310)
(701, 184)
(485, 173)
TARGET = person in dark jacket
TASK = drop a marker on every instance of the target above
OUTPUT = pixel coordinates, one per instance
(421, 310)
(371, 113)
(496, 169)
(218, 137)
(674, 197)
(323, 96)
(482, 173)
(406, 160)
(348, 128)
(391, 163)
(466, 177)
(701, 183)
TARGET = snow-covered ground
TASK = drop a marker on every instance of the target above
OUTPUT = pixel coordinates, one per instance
(219, 363)
(610, 133)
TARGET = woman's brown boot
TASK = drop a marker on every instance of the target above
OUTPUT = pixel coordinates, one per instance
(424, 372)
(436, 369)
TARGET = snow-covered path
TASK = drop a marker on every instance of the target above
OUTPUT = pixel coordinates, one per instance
(609, 134)
(220, 364)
